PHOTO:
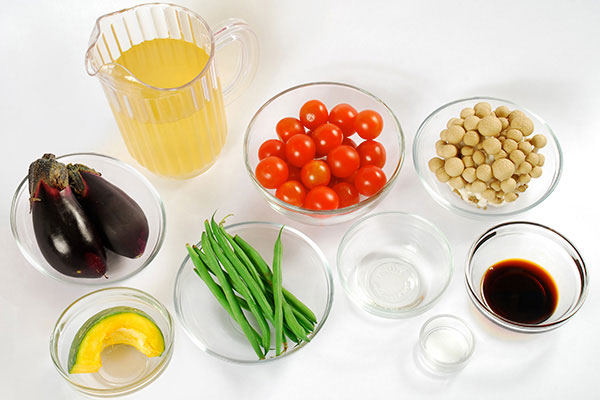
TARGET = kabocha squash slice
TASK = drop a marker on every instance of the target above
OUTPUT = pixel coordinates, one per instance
(117, 325)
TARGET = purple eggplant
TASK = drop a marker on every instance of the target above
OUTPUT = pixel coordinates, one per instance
(120, 220)
(65, 235)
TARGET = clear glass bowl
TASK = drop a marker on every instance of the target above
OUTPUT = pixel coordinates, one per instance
(446, 344)
(305, 272)
(118, 173)
(394, 265)
(541, 245)
(424, 149)
(288, 103)
(105, 382)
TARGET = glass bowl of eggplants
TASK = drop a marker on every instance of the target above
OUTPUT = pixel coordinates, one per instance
(87, 218)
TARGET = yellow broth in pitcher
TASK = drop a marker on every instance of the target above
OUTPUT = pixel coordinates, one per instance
(173, 122)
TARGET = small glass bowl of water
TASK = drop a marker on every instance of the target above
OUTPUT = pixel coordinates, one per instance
(394, 265)
(446, 344)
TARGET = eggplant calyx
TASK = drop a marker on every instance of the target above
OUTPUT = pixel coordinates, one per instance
(49, 171)
(76, 180)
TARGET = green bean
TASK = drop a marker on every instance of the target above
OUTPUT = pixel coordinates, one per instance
(277, 294)
(259, 262)
(212, 269)
(237, 313)
(247, 262)
(268, 276)
(300, 306)
(302, 320)
(202, 256)
(255, 290)
(293, 323)
(288, 332)
(201, 270)
(243, 302)
(245, 292)
(308, 325)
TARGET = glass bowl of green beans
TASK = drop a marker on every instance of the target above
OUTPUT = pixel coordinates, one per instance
(305, 274)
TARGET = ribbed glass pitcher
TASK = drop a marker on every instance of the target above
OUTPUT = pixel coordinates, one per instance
(156, 64)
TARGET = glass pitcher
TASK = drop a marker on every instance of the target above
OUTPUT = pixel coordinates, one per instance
(156, 64)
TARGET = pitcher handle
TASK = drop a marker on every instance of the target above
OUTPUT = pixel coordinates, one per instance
(227, 32)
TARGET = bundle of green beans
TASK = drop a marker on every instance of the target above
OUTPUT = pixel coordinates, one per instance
(245, 281)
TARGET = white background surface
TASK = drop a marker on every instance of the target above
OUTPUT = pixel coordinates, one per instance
(415, 56)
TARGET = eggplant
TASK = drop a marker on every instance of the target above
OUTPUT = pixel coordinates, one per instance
(120, 220)
(67, 238)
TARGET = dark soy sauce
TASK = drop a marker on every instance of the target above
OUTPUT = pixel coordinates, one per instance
(520, 291)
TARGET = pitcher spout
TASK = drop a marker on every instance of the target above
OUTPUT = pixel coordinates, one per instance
(104, 49)
(116, 33)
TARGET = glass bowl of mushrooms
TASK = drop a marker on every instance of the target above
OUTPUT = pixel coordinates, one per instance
(487, 157)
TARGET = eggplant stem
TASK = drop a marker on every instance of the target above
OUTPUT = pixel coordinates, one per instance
(75, 178)
(50, 172)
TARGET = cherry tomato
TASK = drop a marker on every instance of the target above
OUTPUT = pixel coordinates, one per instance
(321, 198)
(368, 124)
(271, 172)
(315, 173)
(371, 153)
(299, 150)
(335, 180)
(292, 192)
(349, 179)
(288, 127)
(347, 194)
(327, 137)
(343, 116)
(343, 161)
(313, 113)
(369, 180)
(348, 142)
(294, 173)
(272, 147)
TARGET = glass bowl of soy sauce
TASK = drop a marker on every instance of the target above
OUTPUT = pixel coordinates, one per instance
(526, 277)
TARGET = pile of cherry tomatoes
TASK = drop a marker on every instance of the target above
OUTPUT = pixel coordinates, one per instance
(316, 165)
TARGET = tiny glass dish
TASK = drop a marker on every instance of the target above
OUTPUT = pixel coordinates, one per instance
(124, 369)
(533, 243)
(538, 189)
(288, 104)
(394, 265)
(119, 174)
(445, 344)
(305, 274)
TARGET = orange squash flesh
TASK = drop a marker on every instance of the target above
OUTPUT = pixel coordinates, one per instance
(118, 325)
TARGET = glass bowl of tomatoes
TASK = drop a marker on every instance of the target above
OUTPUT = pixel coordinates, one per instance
(324, 153)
